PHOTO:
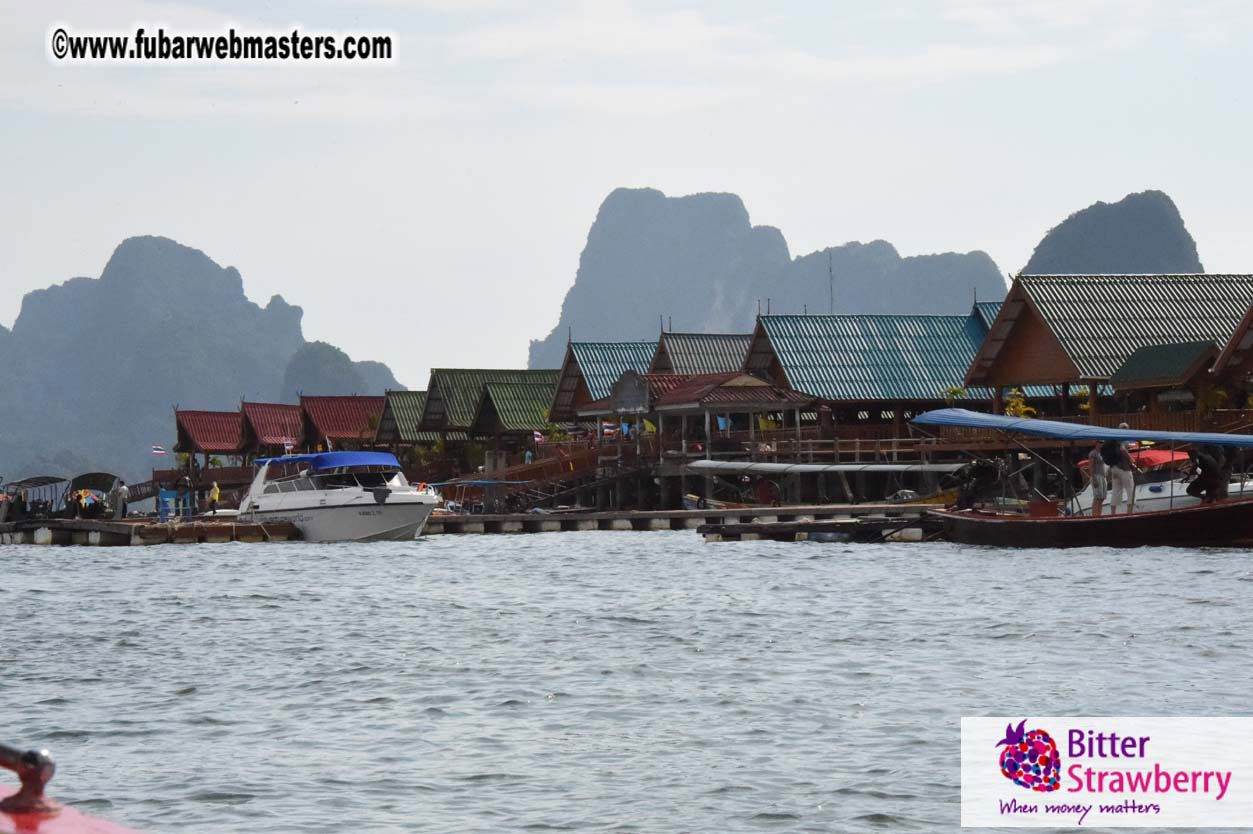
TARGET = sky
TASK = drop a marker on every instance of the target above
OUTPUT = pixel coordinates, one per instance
(430, 212)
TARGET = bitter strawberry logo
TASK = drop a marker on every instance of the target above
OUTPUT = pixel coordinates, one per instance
(1030, 758)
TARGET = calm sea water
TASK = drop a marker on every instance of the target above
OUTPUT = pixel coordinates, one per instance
(630, 682)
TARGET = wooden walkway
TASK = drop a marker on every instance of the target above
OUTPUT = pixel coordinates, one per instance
(102, 533)
(664, 519)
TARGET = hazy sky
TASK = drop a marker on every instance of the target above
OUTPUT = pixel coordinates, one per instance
(431, 212)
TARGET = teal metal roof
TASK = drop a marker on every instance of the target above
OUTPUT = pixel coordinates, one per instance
(875, 357)
(603, 362)
(700, 353)
(1158, 366)
(987, 312)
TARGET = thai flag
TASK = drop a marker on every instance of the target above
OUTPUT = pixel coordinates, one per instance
(288, 445)
(607, 428)
(538, 437)
(158, 450)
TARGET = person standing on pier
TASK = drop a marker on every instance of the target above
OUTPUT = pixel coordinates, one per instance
(120, 497)
(214, 495)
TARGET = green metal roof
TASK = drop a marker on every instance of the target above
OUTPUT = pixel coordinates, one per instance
(1100, 320)
(1158, 366)
(875, 357)
(702, 353)
(603, 362)
(518, 407)
(453, 393)
(399, 422)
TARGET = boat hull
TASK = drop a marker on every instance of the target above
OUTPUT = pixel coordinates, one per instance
(1225, 524)
(392, 521)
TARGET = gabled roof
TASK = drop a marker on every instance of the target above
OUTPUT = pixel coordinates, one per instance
(1163, 366)
(513, 407)
(1100, 320)
(868, 358)
(590, 369)
(453, 393)
(272, 424)
(1234, 358)
(211, 432)
(338, 419)
(700, 353)
(729, 390)
(398, 423)
(987, 312)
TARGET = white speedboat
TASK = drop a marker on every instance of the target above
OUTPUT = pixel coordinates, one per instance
(339, 496)
(1161, 484)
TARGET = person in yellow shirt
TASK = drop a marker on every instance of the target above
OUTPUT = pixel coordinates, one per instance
(214, 494)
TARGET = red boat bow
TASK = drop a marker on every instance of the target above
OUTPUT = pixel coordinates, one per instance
(25, 810)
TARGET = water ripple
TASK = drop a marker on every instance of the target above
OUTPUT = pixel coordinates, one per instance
(583, 682)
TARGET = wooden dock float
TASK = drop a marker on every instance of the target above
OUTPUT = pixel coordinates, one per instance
(863, 529)
(138, 532)
(663, 519)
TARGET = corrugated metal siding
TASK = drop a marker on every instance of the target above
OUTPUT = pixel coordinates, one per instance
(706, 353)
(1101, 320)
(460, 389)
(603, 362)
(850, 358)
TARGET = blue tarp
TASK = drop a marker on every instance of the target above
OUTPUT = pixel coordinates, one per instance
(1071, 431)
(330, 460)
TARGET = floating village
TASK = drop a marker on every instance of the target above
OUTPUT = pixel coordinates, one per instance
(1081, 409)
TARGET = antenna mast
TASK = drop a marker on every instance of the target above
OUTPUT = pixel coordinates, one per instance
(831, 282)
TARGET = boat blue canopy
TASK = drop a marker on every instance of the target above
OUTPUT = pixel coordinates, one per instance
(332, 460)
(963, 418)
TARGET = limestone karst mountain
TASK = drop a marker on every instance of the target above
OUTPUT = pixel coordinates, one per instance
(1142, 233)
(92, 366)
(699, 261)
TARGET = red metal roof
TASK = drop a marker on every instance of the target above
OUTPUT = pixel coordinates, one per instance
(709, 389)
(343, 418)
(218, 432)
(274, 424)
(729, 389)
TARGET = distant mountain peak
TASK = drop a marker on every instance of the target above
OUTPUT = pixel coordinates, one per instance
(101, 359)
(700, 260)
(1143, 233)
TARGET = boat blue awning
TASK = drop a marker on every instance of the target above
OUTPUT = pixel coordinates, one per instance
(963, 418)
(331, 460)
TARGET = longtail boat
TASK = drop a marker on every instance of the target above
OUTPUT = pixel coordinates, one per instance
(25, 810)
(1225, 522)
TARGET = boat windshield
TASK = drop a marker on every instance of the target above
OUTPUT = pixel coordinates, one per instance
(345, 477)
(368, 477)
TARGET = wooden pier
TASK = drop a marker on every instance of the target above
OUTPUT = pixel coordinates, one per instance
(869, 528)
(697, 520)
(100, 533)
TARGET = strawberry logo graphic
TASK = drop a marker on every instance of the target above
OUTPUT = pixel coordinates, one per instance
(1030, 758)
